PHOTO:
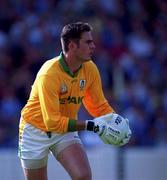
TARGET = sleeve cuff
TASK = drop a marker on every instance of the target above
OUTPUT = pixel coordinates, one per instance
(72, 125)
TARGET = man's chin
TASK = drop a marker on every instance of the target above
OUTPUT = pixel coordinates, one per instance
(89, 58)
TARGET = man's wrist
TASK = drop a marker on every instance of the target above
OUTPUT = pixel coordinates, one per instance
(89, 125)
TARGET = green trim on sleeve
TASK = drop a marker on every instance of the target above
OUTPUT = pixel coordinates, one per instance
(72, 125)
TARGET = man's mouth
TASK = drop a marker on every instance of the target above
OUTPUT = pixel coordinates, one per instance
(91, 53)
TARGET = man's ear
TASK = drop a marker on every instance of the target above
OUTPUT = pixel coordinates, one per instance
(72, 45)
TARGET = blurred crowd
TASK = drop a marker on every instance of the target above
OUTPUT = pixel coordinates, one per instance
(131, 53)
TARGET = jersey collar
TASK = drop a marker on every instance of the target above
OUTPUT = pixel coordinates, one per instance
(65, 67)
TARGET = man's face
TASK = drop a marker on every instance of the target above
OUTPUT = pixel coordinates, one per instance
(86, 47)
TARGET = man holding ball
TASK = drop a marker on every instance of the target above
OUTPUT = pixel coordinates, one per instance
(49, 119)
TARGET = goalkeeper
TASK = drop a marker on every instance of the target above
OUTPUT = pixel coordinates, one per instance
(49, 119)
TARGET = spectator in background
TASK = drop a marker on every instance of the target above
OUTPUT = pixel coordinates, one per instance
(130, 36)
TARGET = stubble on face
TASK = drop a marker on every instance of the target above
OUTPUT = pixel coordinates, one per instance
(86, 47)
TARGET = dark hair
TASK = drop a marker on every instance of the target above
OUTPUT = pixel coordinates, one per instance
(73, 31)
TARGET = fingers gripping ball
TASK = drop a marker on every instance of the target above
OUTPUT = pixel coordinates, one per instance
(115, 130)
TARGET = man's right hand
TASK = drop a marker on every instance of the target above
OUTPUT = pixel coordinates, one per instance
(111, 128)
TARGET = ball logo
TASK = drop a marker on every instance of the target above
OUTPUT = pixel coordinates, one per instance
(118, 120)
(111, 130)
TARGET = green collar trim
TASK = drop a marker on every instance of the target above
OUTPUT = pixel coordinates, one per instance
(65, 67)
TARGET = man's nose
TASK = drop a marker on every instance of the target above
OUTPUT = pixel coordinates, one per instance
(93, 45)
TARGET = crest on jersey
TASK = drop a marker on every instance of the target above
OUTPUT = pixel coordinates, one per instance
(63, 88)
(82, 84)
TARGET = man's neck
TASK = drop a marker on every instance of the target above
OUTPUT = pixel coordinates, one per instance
(72, 63)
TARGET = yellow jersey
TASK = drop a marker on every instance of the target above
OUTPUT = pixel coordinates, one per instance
(57, 95)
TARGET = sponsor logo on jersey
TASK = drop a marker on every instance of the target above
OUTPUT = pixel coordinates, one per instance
(71, 100)
(82, 84)
(63, 89)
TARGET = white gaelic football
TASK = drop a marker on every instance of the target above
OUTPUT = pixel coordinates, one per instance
(114, 129)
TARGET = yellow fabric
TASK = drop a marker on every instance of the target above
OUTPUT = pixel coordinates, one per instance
(56, 96)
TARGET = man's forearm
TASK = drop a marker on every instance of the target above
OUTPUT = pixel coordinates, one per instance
(76, 125)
